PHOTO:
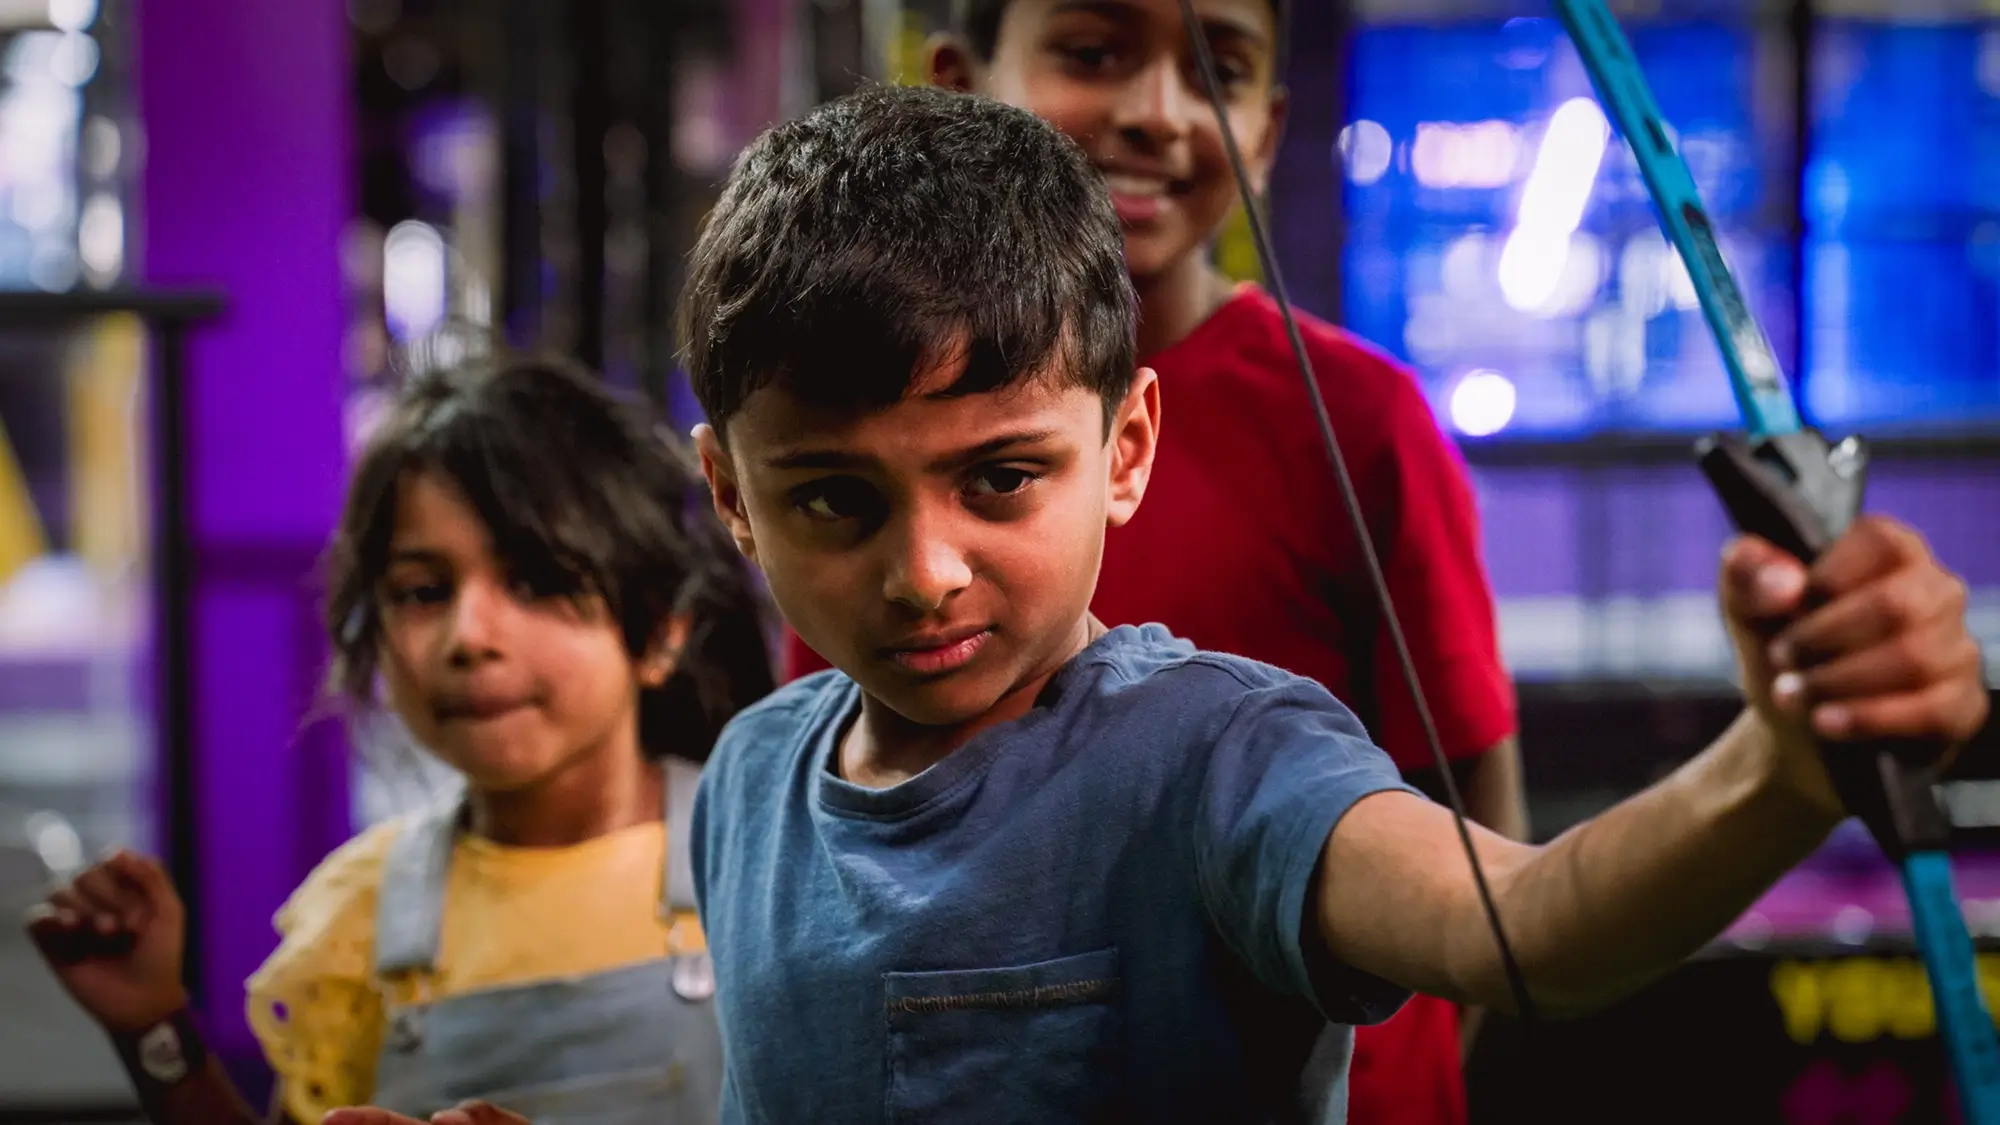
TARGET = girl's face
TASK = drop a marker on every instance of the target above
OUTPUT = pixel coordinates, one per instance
(514, 691)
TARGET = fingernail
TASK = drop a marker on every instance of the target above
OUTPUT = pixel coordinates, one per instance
(1787, 688)
(1832, 720)
(1780, 654)
(1778, 583)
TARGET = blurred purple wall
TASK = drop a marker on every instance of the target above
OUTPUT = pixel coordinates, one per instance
(245, 105)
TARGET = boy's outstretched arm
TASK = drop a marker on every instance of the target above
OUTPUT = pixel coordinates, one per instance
(1870, 643)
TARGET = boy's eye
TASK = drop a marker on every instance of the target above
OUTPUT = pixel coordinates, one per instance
(836, 498)
(1089, 56)
(1000, 480)
(1231, 71)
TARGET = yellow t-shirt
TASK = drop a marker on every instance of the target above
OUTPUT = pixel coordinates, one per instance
(511, 916)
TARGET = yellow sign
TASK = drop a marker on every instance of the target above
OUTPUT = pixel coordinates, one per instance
(1863, 999)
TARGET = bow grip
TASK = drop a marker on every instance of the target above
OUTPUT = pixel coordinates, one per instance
(1799, 493)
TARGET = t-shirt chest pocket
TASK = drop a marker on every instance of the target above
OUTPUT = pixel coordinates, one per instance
(1031, 1043)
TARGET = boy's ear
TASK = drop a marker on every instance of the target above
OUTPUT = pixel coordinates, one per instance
(1135, 436)
(949, 62)
(1265, 155)
(663, 653)
(724, 490)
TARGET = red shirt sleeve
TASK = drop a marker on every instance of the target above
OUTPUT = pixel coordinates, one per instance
(1426, 526)
(800, 660)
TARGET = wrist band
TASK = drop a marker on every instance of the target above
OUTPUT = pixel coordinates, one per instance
(165, 1054)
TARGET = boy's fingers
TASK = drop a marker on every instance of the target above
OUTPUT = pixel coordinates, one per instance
(1905, 662)
(1872, 547)
(1909, 600)
(1759, 581)
(1950, 712)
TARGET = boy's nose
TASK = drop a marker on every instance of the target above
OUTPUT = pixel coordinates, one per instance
(926, 572)
(1153, 107)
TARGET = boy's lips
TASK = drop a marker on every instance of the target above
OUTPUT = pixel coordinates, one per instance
(1138, 197)
(934, 653)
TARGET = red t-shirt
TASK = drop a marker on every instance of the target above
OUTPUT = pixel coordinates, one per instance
(1243, 546)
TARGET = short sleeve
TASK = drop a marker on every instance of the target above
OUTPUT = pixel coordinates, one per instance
(1290, 763)
(1421, 502)
(313, 1004)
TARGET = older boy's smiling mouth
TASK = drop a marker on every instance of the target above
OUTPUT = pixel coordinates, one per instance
(1139, 196)
(935, 653)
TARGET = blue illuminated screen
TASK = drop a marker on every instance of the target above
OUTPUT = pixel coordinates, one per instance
(1902, 193)
(1501, 241)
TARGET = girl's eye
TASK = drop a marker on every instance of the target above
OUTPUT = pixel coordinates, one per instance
(419, 593)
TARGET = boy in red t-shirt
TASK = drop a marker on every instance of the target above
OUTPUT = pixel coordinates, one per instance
(1242, 546)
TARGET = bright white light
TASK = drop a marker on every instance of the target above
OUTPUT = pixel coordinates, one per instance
(1481, 154)
(1565, 168)
(72, 15)
(73, 62)
(1535, 258)
(100, 238)
(1366, 149)
(1482, 403)
(413, 279)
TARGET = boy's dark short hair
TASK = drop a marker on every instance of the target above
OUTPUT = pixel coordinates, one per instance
(978, 22)
(870, 239)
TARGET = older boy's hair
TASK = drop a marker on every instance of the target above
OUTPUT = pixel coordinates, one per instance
(978, 23)
(893, 229)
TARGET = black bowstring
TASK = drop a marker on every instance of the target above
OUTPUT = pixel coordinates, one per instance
(1205, 62)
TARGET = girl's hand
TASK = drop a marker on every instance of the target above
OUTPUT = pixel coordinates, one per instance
(115, 937)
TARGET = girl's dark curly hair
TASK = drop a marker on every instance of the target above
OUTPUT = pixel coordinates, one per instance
(582, 495)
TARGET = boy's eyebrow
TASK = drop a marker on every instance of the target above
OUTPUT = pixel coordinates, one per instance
(1216, 27)
(843, 459)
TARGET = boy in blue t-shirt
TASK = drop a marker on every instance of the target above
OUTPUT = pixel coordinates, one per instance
(1005, 865)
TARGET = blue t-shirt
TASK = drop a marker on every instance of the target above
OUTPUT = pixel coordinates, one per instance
(1089, 913)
